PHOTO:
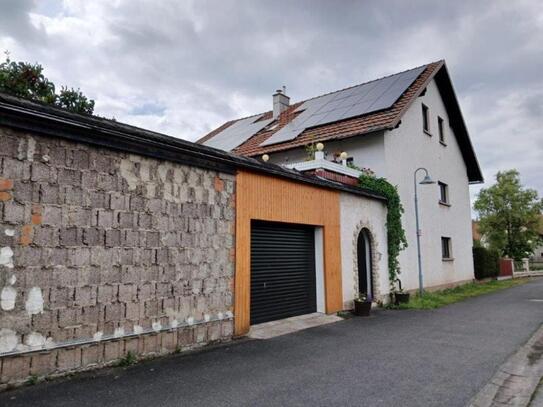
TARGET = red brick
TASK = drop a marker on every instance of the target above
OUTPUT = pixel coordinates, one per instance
(219, 184)
(36, 219)
(5, 184)
(26, 235)
(5, 196)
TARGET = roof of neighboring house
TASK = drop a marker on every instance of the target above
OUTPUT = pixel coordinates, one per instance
(385, 119)
(30, 116)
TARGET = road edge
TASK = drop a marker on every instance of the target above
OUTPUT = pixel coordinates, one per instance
(516, 379)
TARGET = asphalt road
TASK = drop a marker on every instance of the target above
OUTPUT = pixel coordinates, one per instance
(394, 358)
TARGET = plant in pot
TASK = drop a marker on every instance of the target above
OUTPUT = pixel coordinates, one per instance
(400, 297)
(362, 305)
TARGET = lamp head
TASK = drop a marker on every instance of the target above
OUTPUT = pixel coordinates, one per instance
(427, 180)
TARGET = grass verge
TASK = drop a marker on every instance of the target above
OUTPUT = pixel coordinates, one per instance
(436, 299)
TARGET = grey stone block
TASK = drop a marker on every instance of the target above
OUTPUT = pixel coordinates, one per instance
(71, 236)
(41, 172)
(69, 177)
(113, 238)
(46, 236)
(14, 213)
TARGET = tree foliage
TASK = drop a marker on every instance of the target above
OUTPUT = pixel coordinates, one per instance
(27, 80)
(509, 216)
(395, 233)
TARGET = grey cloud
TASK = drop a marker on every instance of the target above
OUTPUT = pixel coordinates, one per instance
(205, 62)
(15, 20)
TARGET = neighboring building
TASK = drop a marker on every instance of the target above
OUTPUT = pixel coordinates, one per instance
(392, 126)
(114, 239)
(537, 257)
(475, 232)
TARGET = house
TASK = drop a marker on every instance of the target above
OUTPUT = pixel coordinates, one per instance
(116, 239)
(393, 126)
(537, 257)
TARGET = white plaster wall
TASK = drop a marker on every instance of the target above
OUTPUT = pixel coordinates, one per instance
(407, 148)
(356, 213)
(367, 152)
(395, 155)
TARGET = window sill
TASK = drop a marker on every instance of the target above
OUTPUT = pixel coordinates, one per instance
(427, 132)
(445, 204)
(447, 259)
(443, 143)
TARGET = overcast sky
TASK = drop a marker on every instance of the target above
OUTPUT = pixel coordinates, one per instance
(185, 67)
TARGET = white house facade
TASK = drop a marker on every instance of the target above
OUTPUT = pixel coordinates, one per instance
(424, 128)
(396, 154)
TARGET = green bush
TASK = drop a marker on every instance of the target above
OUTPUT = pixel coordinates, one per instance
(486, 263)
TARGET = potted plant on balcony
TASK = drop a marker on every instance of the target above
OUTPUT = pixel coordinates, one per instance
(400, 297)
(362, 305)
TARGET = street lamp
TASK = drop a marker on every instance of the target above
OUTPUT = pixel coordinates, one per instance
(426, 181)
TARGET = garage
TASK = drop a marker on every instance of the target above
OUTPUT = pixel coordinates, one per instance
(283, 278)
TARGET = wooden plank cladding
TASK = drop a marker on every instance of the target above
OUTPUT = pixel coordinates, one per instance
(263, 197)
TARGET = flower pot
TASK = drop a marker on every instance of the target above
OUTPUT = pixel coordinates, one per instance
(401, 298)
(362, 308)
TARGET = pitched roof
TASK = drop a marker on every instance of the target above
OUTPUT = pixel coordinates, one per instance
(385, 119)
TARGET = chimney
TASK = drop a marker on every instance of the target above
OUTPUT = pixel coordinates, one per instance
(280, 102)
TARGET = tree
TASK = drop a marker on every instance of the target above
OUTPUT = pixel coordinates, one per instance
(509, 216)
(28, 81)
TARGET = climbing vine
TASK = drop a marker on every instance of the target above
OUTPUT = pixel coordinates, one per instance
(395, 232)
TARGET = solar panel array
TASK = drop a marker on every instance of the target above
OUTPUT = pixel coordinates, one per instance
(344, 104)
(237, 133)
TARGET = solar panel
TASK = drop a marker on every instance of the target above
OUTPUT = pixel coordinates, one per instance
(356, 101)
(237, 133)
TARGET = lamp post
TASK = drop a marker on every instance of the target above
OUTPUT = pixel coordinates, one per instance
(426, 180)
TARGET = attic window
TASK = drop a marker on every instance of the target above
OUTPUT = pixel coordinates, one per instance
(441, 130)
(425, 119)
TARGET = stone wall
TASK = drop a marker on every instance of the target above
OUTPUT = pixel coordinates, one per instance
(103, 252)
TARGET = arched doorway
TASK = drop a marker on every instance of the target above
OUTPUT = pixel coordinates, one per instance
(364, 255)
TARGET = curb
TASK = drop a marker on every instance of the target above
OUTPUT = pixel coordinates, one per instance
(517, 379)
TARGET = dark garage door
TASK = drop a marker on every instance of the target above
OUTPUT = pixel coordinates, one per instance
(282, 271)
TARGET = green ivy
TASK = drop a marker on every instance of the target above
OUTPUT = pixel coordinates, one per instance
(395, 232)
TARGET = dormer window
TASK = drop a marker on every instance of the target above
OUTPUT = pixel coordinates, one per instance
(425, 119)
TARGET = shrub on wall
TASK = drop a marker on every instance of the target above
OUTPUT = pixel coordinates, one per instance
(486, 263)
